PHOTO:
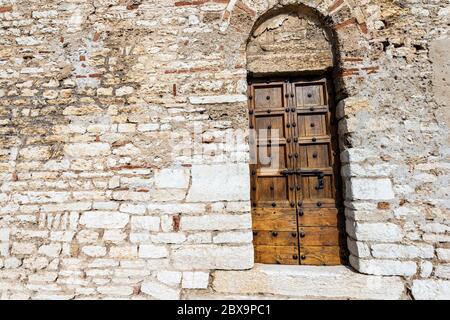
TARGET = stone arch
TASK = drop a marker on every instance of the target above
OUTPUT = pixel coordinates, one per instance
(296, 36)
(344, 41)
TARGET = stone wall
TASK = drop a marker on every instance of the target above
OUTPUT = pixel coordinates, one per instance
(121, 171)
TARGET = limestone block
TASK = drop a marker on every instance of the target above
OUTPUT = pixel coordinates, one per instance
(393, 251)
(145, 223)
(188, 257)
(218, 99)
(94, 149)
(133, 208)
(116, 290)
(124, 252)
(153, 251)
(384, 267)
(171, 237)
(36, 153)
(381, 232)
(233, 237)
(443, 254)
(123, 91)
(4, 234)
(23, 248)
(176, 178)
(160, 291)
(219, 182)
(195, 280)
(426, 268)
(431, 290)
(216, 222)
(104, 219)
(358, 248)
(370, 189)
(442, 271)
(307, 282)
(170, 278)
(50, 250)
(94, 251)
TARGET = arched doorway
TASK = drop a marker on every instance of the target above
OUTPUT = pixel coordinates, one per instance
(296, 187)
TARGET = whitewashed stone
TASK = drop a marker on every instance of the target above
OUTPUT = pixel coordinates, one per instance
(431, 289)
(212, 257)
(124, 252)
(358, 248)
(233, 237)
(219, 182)
(394, 251)
(370, 189)
(12, 263)
(442, 271)
(51, 250)
(176, 178)
(426, 268)
(218, 99)
(160, 291)
(116, 290)
(170, 278)
(44, 14)
(384, 267)
(23, 248)
(94, 251)
(216, 222)
(133, 208)
(94, 149)
(382, 232)
(104, 219)
(443, 254)
(123, 91)
(195, 280)
(306, 282)
(145, 223)
(153, 251)
(4, 235)
(172, 237)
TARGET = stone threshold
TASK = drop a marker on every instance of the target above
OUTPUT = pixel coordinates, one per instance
(305, 282)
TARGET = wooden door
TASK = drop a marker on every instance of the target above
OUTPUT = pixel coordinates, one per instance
(294, 174)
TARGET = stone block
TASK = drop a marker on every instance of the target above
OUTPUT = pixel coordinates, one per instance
(384, 267)
(307, 282)
(431, 289)
(219, 182)
(370, 189)
(104, 219)
(160, 291)
(145, 223)
(95, 149)
(172, 178)
(381, 232)
(394, 251)
(195, 280)
(153, 251)
(442, 271)
(216, 222)
(191, 257)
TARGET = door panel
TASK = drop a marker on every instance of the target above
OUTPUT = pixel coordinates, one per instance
(276, 254)
(295, 207)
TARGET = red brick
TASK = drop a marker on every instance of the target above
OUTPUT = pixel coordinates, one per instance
(335, 5)
(6, 9)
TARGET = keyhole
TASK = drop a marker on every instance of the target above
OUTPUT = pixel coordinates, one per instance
(309, 95)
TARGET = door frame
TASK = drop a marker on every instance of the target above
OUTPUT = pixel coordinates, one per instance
(335, 147)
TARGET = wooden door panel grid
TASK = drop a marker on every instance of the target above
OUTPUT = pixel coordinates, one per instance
(295, 204)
